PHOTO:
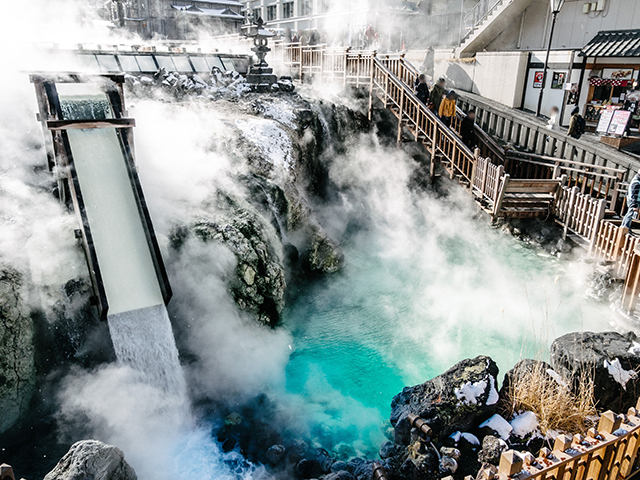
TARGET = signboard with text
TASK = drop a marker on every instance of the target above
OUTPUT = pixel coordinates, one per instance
(619, 122)
(605, 120)
(537, 79)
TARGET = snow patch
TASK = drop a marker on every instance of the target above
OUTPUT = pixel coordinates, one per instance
(524, 423)
(272, 141)
(469, 392)
(493, 393)
(556, 376)
(634, 349)
(498, 425)
(469, 437)
(281, 112)
(618, 373)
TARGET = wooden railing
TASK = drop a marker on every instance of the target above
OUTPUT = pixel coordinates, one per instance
(486, 181)
(527, 133)
(607, 453)
(580, 213)
(425, 127)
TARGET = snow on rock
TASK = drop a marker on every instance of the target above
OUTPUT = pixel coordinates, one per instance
(469, 392)
(493, 397)
(269, 137)
(471, 438)
(556, 376)
(635, 348)
(498, 425)
(455, 436)
(281, 112)
(524, 424)
(618, 373)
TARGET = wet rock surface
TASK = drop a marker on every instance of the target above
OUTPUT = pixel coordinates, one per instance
(462, 396)
(612, 358)
(91, 459)
(17, 361)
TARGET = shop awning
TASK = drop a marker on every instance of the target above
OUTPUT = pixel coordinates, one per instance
(613, 43)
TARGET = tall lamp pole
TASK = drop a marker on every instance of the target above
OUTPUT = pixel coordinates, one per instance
(556, 6)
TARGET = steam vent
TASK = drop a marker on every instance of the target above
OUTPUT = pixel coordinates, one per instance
(320, 240)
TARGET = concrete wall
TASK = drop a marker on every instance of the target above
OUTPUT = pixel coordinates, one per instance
(574, 29)
(498, 76)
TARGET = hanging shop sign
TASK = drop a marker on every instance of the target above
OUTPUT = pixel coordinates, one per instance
(537, 79)
(618, 73)
(619, 122)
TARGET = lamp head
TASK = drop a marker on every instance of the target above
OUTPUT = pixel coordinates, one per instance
(556, 5)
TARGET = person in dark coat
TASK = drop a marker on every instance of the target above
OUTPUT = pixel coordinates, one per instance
(437, 93)
(422, 89)
(468, 130)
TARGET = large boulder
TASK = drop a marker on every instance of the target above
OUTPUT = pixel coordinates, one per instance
(91, 459)
(17, 362)
(457, 400)
(613, 360)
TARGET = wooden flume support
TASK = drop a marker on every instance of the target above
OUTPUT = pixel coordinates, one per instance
(580, 196)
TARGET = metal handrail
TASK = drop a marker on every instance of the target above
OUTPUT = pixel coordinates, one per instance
(478, 14)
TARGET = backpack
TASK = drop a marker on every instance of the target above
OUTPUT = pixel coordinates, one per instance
(581, 126)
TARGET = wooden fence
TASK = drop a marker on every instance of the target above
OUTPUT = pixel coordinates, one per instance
(609, 452)
(580, 214)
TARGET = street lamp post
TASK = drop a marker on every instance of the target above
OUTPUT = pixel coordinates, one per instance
(556, 6)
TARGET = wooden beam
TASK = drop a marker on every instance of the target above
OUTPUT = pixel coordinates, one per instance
(88, 124)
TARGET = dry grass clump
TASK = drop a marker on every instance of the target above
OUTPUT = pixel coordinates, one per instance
(557, 406)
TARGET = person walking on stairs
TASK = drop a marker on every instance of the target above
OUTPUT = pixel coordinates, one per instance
(448, 108)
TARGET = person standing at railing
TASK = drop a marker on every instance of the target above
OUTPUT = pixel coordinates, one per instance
(632, 201)
(436, 95)
(422, 89)
(577, 125)
(448, 108)
(552, 124)
(468, 130)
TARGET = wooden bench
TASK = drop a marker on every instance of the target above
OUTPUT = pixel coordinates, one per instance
(518, 198)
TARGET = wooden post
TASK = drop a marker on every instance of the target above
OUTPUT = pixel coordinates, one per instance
(569, 212)
(400, 114)
(510, 464)
(485, 171)
(432, 167)
(602, 204)
(370, 115)
(476, 156)
(498, 202)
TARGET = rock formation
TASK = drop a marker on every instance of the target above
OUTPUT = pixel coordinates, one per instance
(91, 459)
(17, 363)
(611, 358)
(458, 399)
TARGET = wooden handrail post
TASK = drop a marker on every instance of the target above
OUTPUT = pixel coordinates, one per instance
(485, 171)
(569, 212)
(498, 202)
(599, 218)
(400, 115)
(370, 113)
(510, 464)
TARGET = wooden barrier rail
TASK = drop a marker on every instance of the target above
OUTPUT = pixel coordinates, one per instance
(607, 453)
(580, 214)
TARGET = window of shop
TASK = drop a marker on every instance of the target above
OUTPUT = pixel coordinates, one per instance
(271, 13)
(287, 10)
(257, 13)
(611, 88)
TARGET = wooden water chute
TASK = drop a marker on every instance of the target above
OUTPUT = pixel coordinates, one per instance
(57, 129)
